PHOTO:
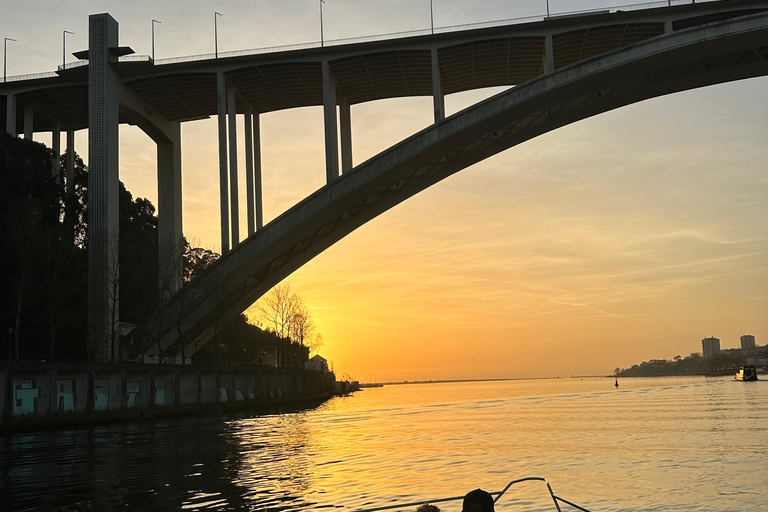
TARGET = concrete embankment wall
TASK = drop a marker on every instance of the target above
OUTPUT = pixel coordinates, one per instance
(37, 394)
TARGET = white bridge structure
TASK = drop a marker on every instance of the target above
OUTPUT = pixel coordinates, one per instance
(560, 69)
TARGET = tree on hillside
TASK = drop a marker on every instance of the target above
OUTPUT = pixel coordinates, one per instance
(287, 315)
(303, 328)
(278, 308)
(197, 260)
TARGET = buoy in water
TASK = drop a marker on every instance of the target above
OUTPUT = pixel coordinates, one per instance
(617, 383)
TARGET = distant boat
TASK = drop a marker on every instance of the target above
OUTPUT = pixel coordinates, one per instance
(746, 373)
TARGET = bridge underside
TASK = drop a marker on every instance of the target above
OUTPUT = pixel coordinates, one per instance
(496, 56)
(687, 59)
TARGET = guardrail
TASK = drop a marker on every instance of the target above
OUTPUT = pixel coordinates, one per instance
(376, 37)
(498, 494)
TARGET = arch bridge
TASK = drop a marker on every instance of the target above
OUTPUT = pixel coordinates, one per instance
(563, 69)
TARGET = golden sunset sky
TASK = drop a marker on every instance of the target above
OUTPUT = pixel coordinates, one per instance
(621, 238)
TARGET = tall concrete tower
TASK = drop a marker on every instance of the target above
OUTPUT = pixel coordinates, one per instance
(747, 342)
(710, 347)
(103, 183)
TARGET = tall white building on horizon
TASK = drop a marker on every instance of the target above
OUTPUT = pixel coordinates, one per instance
(710, 347)
(747, 342)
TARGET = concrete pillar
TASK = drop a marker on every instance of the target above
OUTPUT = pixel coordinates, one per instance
(29, 122)
(221, 97)
(103, 180)
(248, 135)
(56, 147)
(345, 121)
(549, 55)
(233, 193)
(10, 114)
(169, 218)
(70, 163)
(259, 202)
(437, 88)
(329, 112)
(69, 211)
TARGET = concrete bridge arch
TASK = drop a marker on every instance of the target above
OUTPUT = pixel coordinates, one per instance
(696, 57)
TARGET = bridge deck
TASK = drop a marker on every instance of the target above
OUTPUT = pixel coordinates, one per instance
(468, 59)
(698, 57)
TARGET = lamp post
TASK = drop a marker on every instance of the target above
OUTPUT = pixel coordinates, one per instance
(10, 342)
(216, 31)
(547, 8)
(431, 17)
(153, 39)
(5, 51)
(322, 42)
(64, 48)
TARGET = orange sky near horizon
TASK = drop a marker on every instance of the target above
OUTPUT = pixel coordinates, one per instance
(620, 238)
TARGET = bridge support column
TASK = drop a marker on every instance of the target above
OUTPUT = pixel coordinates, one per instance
(221, 97)
(169, 219)
(549, 55)
(233, 193)
(29, 121)
(329, 114)
(259, 201)
(103, 182)
(10, 114)
(56, 147)
(345, 122)
(249, 180)
(69, 210)
(437, 88)
(70, 163)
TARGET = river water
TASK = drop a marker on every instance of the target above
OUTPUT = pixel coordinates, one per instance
(678, 443)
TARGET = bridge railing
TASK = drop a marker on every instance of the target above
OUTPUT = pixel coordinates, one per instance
(375, 37)
(71, 65)
(423, 32)
(32, 76)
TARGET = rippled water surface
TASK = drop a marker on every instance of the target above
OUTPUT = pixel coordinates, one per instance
(684, 443)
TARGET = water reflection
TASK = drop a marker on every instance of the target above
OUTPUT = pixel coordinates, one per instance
(658, 444)
(214, 463)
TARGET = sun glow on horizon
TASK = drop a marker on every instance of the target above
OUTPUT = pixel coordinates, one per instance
(624, 237)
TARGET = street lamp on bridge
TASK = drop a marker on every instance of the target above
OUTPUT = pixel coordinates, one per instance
(153, 39)
(64, 48)
(216, 32)
(322, 43)
(431, 17)
(5, 51)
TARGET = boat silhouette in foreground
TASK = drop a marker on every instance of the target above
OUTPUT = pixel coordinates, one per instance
(556, 500)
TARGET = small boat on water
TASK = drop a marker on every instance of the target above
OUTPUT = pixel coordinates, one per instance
(747, 372)
(556, 500)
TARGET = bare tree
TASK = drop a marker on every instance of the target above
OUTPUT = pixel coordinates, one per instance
(24, 221)
(278, 307)
(55, 256)
(113, 296)
(181, 300)
(217, 300)
(303, 328)
(287, 315)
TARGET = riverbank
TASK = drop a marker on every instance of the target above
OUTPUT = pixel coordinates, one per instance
(38, 395)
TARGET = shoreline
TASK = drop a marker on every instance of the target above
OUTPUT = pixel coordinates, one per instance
(449, 381)
(54, 395)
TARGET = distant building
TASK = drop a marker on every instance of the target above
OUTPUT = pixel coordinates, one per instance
(710, 347)
(317, 363)
(747, 342)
